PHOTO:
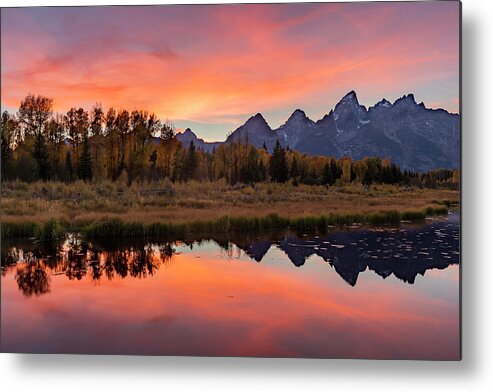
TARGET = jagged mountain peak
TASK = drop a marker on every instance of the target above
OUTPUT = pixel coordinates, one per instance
(297, 115)
(408, 99)
(298, 112)
(255, 131)
(295, 128)
(349, 103)
(257, 117)
(349, 116)
(350, 97)
(256, 121)
(188, 135)
(384, 103)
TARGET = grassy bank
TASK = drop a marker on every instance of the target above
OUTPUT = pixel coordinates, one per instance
(115, 228)
(47, 210)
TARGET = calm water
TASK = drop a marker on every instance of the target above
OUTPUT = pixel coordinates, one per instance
(356, 293)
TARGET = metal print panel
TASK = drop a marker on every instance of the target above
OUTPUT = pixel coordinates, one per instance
(266, 180)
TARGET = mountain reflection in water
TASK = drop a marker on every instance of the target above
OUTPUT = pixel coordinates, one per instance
(404, 252)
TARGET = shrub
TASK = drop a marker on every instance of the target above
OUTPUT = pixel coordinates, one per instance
(50, 230)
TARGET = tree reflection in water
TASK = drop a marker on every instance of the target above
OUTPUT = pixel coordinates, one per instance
(77, 259)
(32, 279)
(402, 252)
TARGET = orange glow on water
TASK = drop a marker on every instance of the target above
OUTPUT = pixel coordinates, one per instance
(204, 304)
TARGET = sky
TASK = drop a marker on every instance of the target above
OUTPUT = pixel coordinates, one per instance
(211, 67)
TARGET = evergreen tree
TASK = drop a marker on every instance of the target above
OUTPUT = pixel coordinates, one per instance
(294, 171)
(41, 156)
(177, 174)
(262, 171)
(85, 162)
(6, 155)
(153, 168)
(327, 177)
(386, 175)
(190, 163)
(396, 173)
(250, 171)
(69, 166)
(9, 128)
(336, 172)
(278, 165)
(168, 139)
(367, 180)
(302, 173)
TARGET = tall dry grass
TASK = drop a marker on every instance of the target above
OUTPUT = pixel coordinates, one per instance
(78, 205)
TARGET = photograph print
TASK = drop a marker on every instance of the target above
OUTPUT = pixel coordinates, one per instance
(234, 180)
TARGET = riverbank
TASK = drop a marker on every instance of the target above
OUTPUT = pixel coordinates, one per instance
(105, 210)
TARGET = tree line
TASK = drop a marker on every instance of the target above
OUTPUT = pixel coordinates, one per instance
(38, 144)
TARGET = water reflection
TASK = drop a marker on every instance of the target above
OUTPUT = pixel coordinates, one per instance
(404, 252)
(279, 294)
(77, 259)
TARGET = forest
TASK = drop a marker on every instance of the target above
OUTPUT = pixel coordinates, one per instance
(38, 144)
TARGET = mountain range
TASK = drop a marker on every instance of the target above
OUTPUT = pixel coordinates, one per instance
(410, 134)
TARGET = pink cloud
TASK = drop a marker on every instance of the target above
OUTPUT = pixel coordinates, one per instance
(204, 63)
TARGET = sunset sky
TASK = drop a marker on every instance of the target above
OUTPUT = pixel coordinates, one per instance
(211, 67)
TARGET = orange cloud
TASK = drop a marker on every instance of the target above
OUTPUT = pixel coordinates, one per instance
(216, 63)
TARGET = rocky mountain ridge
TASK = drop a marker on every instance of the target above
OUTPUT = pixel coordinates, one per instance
(412, 135)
